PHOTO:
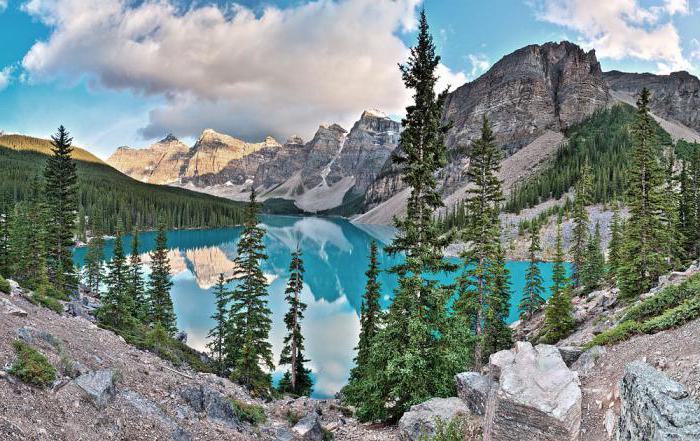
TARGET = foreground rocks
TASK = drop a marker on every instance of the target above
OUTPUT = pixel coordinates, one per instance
(655, 408)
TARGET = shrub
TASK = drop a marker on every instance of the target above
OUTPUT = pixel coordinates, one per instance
(31, 366)
(250, 413)
(621, 332)
(327, 434)
(5, 285)
(666, 299)
(455, 430)
(674, 317)
(47, 302)
(293, 417)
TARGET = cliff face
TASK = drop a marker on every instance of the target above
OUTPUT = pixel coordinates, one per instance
(161, 163)
(675, 97)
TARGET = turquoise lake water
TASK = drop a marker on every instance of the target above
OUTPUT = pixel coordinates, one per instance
(335, 255)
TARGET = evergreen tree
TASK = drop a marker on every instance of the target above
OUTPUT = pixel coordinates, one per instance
(533, 295)
(688, 209)
(297, 380)
(136, 290)
(217, 334)
(115, 312)
(497, 334)
(646, 231)
(614, 247)
(161, 312)
(370, 324)
(476, 285)
(594, 266)
(558, 315)
(579, 245)
(249, 317)
(410, 362)
(61, 201)
(5, 210)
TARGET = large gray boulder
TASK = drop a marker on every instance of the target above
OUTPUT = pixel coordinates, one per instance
(537, 397)
(586, 362)
(420, 421)
(99, 385)
(213, 404)
(473, 388)
(655, 408)
(10, 308)
(308, 428)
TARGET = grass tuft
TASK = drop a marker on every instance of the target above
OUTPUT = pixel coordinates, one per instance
(31, 366)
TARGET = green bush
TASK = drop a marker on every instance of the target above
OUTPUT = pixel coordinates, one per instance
(621, 332)
(293, 417)
(47, 302)
(250, 413)
(455, 430)
(674, 317)
(31, 366)
(666, 299)
(4, 285)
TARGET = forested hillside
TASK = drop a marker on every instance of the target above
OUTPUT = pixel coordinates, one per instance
(108, 196)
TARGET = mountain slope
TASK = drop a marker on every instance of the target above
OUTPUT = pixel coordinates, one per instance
(107, 194)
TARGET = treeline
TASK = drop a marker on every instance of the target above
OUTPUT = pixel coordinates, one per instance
(110, 198)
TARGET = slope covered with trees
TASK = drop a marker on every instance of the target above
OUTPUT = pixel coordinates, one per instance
(107, 196)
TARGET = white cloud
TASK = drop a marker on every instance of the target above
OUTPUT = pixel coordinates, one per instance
(5, 77)
(281, 72)
(480, 64)
(624, 28)
(695, 49)
(3, 5)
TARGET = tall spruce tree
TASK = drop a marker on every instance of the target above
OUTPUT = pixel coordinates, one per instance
(115, 312)
(688, 210)
(61, 202)
(161, 312)
(249, 315)
(135, 285)
(497, 334)
(409, 361)
(217, 334)
(646, 231)
(579, 245)
(370, 323)
(594, 267)
(297, 380)
(558, 316)
(476, 286)
(5, 210)
(614, 247)
(533, 295)
(559, 279)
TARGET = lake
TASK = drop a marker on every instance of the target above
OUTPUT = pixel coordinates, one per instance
(335, 255)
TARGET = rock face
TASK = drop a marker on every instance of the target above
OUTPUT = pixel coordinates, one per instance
(420, 421)
(474, 389)
(536, 396)
(655, 408)
(161, 163)
(675, 97)
(536, 88)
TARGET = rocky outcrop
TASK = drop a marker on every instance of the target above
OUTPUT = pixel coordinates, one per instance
(212, 404)
(421, 420)
(655, 408)
(535, 397)
(474, 389)
(675, 96)
(536, 88)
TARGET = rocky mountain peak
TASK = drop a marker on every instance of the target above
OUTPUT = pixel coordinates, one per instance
(295, 140)
(169, 138)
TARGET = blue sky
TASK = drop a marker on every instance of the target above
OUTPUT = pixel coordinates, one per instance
(127, 72)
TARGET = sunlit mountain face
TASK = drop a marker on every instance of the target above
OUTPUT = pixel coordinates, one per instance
(335, 256)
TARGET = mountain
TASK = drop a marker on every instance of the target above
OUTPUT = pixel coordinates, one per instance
(107, 194)
(334, 167)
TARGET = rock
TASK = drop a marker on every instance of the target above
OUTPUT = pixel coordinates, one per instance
(10, 308)
(30, 335)
(473, 388)
(570, 354)
(181, 336)
(99, 385)
(78, 308)
(308, 428)
(536, 397)
(420, 421)
(149, 409)
(215, 405)
(654, 407)
(586, 361)
(497, 361)
(610, 420)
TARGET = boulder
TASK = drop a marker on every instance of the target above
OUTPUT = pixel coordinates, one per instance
(655, 408)
(421, 420)
(570, 354)
(10, 308)
(536, 397)
(80, 308)
(212, 403)
(586, 361)
(99, 385)
(308, 428)
(473, 388)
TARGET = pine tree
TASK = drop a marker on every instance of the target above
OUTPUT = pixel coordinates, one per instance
(115, 312)
(297, 380)
(217, 334)
(370, 323)
(614, 247)
(136, 290)
(161, 312)
(476, 284)
(594, 266)
(93, 264)
(688, 209)
(497, 334)
(646, 232)
(409, 361)
(533, 295)
(6, 208)
(558, 314)
(249, 315)
(579, 245)
(61, 201)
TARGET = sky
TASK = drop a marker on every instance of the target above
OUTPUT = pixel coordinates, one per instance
(128, 72)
